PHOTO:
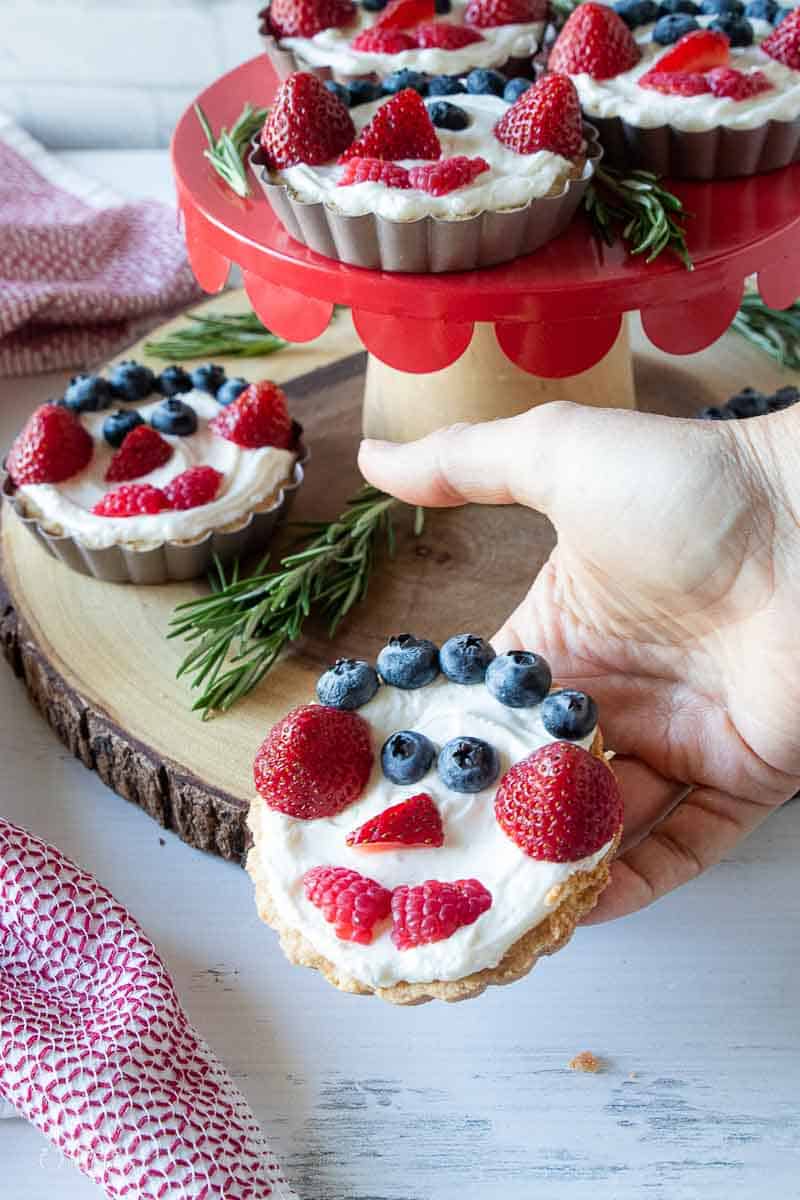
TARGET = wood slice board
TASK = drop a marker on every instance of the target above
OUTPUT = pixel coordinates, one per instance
(95, 660)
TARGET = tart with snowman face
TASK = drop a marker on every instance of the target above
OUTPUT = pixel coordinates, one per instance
(434, 825)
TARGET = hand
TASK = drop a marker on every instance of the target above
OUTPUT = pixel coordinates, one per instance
(672, 597)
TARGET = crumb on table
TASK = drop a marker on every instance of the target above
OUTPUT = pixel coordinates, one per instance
(587, 1062)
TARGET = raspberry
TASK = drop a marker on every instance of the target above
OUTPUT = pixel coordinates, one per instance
(735, 85)
(487, 13)
(405, 14)
(446, 37)
(401, 128)
(314, 762)
(257, 417)
(374, 170)
(132, 500)
(447, 175)
(142, 451)
(306, 123)
(52, 447)
(594, 41)
(433, 911)
(559, 804)
(546, 117)
(410, 824)
(695, 53)
(350, 902)
(304, 18)
(675, 83)
(783, 44)
(195, 486)
(383, 41)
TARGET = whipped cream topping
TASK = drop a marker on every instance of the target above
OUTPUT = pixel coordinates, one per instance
(249, 477)
(622, 96)
(331, 48)
(511, 181)
(474, 844)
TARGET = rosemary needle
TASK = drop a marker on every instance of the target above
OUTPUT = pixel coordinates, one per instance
(633, 205)
(225, 151)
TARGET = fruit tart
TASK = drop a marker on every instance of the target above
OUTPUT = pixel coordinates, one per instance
(402, 184)
(435, 823)
(144, 479)
(696, 90)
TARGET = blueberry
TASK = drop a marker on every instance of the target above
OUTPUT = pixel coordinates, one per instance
(748, 403)
(515, 88)
(448, 116)
(398, 80)
(785, 397)
(349, 683)
(481, 82)
(738, 31)
(569, 714)
(118, 424)
(208, 378)
(175, 417)
(711, 413)
(467, 764)
(712, 7)
(519, 679)
(678, 6)
(230, 389)
(442, 7)
(637, 12)
(761, 10)
(374, 5)
(338, 90)
(670, 29)
(173, 380)
(465, 657)
(88, 393)
(445, 85)
(132, 381)
(406, 756)
(362, 91)
(408, 662)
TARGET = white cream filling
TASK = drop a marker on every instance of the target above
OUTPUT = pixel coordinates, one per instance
(622, 96)
(511, 181)
(474, 847)
(331, 48)
(250, 476)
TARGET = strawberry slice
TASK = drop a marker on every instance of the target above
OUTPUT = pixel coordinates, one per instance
(485, 14)
(783, 44)
(405, 14)
(546, 117)
(736, 85)
(675, 83)
(401, 128)
(257, 417)
(306, 124)
(52, 447)
(695, 53)
(594, 41)
(304, 18)
(142, 451)
(409, 825)
(383, 41)
(445, 37)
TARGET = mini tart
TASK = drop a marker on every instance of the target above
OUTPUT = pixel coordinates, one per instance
(509, 942)
(696, 137)
(171, 545)
(330, 56)
(523, 202)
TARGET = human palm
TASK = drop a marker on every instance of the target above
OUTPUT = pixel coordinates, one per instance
(670, 597)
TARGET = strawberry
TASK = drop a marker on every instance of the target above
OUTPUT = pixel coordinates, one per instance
(350, 902)
(675, 83)
(405, 14)
(594, 41)
(485, 14)
(783, 44)
(304, 18)
(735, 85)
(383, 41)
(51, 447)
(410, 824)
(257, 417)
(546, 117)
(306, 123)
(374, 170)
(445, 37)
(314, 762)
(559, 804)
(695, 52)
(194, 486)
(448, 174)
(401, 128)
(433, 911)
(132, 500)
(142, 451)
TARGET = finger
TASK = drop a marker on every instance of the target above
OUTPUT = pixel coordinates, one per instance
(647, 796)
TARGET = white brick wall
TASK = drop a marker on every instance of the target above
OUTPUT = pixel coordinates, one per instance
(115, 73)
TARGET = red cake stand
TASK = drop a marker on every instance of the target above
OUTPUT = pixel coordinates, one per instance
(492, 342)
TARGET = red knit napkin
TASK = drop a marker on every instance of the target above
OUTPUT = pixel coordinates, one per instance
(96, 1051)
(81, 274)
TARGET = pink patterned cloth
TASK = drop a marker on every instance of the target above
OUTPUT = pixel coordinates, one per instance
(96, 1051)
(81, 274)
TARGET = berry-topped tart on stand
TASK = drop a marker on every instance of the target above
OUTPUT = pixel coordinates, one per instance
(435, 823)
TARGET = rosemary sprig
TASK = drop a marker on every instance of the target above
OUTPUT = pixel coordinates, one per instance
(240, 335)
(225, 151)
(651, 218)
(240, 629)
(775, 331)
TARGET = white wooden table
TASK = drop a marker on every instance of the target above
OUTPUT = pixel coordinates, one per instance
(694, 1004)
